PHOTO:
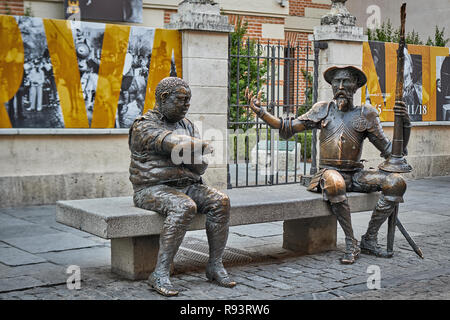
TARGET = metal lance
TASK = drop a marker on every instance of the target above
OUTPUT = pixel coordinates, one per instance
(408, 238)
(396, 162)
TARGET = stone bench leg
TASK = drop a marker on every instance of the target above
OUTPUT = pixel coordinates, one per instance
(310, 235)
(134, 258)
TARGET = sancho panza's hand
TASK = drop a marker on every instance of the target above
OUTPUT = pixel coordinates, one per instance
(199, 161)
(207, 148)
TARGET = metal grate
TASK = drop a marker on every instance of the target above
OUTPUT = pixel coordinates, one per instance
(193, 255)
(287, 75)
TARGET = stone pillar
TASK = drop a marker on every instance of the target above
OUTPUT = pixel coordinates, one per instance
(134, 258)
(205, 68)
(310, 235)
(341, 43)
(344, 45)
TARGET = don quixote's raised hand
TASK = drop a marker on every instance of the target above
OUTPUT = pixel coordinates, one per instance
(254, 102)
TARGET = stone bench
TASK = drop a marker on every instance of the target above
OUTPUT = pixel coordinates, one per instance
(309, 226)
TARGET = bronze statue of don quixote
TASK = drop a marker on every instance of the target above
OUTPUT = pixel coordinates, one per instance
(343, 128)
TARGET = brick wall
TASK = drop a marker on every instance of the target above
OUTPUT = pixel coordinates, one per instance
(11, 7)
(254, 30)
(299, 40)
(297, 7)
(167, 14)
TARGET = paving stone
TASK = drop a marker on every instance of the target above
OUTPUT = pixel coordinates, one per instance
(50, 242)
(15, 257)
(256, 285)
(279, 274)
(323, 296)
(355, 288)
(8, 221)
(290, 270)
(19, 283)
(302, 296)
(281, 285)
(24, 230)
(63, 228)
(31, 211)
(30, 270)
(331, 285)
(87, 257)
(258, 230)
(49, 221)
(47, 273)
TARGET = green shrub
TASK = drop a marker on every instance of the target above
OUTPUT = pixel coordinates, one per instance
(386, 33)
(301, 139)
(252, 73)
(439, 38)
(251, 142)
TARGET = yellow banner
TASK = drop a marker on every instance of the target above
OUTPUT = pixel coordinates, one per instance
(11, 67)
(67, 76)
(114, 50)
(425, 67)
(166, 43)
(72, 74)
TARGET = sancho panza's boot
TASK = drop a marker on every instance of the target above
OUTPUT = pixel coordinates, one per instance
(217, 224)
(172, 234)
(342, 212)
(369, 242)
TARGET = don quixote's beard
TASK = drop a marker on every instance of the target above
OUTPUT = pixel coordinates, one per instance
(343, 102)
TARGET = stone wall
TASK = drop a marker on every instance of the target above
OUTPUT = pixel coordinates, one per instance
(428, 149)
(41, 167)
(63, 164)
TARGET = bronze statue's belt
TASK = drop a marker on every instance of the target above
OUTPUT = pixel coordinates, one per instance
(180, 183)
(345, 165)
(144, 157)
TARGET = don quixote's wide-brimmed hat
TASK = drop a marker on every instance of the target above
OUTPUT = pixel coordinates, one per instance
(361, 78)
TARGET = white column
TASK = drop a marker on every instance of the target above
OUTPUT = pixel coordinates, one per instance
(205, 68)
(344, 46)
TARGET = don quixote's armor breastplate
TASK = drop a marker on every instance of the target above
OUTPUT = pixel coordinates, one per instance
(341, 139)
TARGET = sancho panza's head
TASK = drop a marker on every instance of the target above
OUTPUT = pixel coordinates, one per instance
(344, 82)
(173, 97)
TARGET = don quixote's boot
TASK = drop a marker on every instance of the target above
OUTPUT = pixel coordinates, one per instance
(369, 242)
(342, 212)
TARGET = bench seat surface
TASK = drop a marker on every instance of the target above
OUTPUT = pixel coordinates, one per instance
(117, 217)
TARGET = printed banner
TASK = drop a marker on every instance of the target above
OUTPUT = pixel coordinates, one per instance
(108, 10)
(72, 74)
(426, 80)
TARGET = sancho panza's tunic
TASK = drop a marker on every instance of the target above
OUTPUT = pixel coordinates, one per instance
(149, 164)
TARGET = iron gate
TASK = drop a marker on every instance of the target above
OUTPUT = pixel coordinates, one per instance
(288, 78)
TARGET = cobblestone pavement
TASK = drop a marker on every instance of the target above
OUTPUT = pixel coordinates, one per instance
(35, 252)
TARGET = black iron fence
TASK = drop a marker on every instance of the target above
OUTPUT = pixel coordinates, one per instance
(287, 77)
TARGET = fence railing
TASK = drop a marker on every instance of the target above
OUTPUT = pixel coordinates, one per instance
(287, 77)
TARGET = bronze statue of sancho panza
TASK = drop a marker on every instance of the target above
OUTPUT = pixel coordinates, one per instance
(172, 186)
(343, 128)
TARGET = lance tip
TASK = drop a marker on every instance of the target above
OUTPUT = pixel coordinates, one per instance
(420, 253)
